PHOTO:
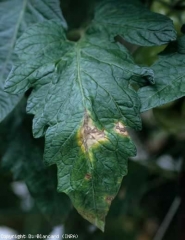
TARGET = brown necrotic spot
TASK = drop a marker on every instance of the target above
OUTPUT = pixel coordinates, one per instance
(88, 176)
(121, 129)
(90, 134)
(109, 199)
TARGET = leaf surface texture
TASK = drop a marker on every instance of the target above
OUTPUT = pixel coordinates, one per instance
(134, 22)
(169, 77)
(15, 17)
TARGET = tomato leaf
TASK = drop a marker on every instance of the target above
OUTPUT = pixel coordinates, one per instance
(169, 77)
(82, 101)
(133, 22)
(15, 17)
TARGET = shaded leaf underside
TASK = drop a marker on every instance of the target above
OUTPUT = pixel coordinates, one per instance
(85, 136)
(169, 77)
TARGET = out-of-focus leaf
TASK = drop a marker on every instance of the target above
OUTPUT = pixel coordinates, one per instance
(15, 17)
(24, 158)
(82, 100)
(169, 77)
(171, 117)
(7, 102)
(133, 22)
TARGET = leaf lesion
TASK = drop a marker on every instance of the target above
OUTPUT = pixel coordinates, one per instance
(90, 133)
(121, 129)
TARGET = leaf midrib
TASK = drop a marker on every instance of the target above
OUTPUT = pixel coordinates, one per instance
(78, 56)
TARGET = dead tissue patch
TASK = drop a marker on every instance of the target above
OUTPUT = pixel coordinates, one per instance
(90, 134)
(121, 129)
(88, 176)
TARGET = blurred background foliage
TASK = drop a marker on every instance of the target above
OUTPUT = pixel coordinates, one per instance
(153, 188)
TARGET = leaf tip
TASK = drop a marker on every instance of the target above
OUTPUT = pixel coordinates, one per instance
(97, 220)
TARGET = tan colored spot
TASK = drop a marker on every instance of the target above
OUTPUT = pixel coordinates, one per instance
(88, 176)
(109, 199)
(121, 129)
(90, 134)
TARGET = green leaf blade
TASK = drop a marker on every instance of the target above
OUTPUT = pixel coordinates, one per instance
(169, 78)
(134, 22)
(15, 17)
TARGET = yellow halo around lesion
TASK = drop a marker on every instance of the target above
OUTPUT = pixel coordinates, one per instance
(90, 136)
